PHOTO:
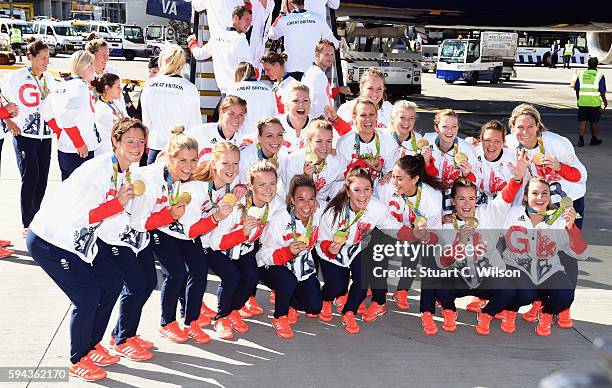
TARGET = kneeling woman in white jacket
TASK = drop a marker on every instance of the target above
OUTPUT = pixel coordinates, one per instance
(285, 260)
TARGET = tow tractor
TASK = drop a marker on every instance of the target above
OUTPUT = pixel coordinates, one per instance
(489, 58)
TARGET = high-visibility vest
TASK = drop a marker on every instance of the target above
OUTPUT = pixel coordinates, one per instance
(589, 94)
(569, 49)
(15, 35)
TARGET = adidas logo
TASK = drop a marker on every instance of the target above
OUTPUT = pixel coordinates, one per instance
(522, 218)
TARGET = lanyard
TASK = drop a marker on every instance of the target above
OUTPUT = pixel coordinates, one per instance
(400, 143)
(128, 177)
(44, 91)
(550, 216)
(368, 155)
(116, 111)
(415, 207)
(211, 187)
(250, 204)
(347, 216)
(541, 144)
(294, 227)
(171, 197)
(261, 156)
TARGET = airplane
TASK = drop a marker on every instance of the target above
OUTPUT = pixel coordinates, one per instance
(590, 16)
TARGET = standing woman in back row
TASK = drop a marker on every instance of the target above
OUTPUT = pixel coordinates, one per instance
(30, 89)
(74, 107)
(168, 100)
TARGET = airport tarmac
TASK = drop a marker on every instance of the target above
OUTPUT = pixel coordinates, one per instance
(392, 351)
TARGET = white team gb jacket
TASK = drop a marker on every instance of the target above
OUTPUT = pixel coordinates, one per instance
(23, 89)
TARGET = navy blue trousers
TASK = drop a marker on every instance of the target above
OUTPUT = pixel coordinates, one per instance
(139, 280)
(69, 162)
(304, 295)
(180, 260)
(238, 279)
(92, 289)
(498, 291)
(337, 283)
(33, 160)
(1, 143)
(556, 293)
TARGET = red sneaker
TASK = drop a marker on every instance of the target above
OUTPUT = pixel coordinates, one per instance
(484, 320)
(223, 327)
(339, 302)
(194, 331)
(544, 325)
(5, 253)
(237, 322)
(348, 320)
(245, 312)
(204, 310)
(174, 333)
(508, 324)
(293, 315)
(476, 304)
(401, 298)
(500, 315)
(429, 326)
(362, 308)
(326, 312)
(101, 357)
(5, 243)
(203, 321)
(253, 306)
(449, 320)
(143, 343)
(86, 370)
(272, 297)
(532, 314)
(564, 320)
(131, 350)
(374, 311)
(282, 327)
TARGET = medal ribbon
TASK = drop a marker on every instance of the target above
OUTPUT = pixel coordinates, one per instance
(211, 186)
(401, 143)
(415, 207)
(347, 217)
(261, 156)
(128, 175)
(249, 200)
(44, 90)
(550, 216)
(172, 199)
(294, 227)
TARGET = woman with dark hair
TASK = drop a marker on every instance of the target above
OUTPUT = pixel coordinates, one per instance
(472, 237)
(537, 232)
(63, 240)
(31, 120)
(274, 66)
(413, 198)
(286, 261)
(348, 218)
(108, 110)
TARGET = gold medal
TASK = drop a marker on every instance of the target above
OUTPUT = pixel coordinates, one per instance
(471, 222)
(139, 187)
(254, 212)
(312, 158)
(566, 203)
(303, 239)
(537, 158)
(340, 237)
(421, 143)
(230, 199)
(185, 198)
(420, 222)
(460, 157)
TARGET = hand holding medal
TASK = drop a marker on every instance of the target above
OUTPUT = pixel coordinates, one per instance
(569, 213)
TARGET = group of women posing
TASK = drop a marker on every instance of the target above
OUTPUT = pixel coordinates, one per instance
(296, 206)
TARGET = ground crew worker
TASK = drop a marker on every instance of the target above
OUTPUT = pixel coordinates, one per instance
(16, 40)
(590, 91)
(568, 51)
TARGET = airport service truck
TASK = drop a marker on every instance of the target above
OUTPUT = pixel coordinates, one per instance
(490, 58)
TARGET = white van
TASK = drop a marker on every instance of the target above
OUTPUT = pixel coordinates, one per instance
(124, 40)
(61, 37)
(26, 29)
